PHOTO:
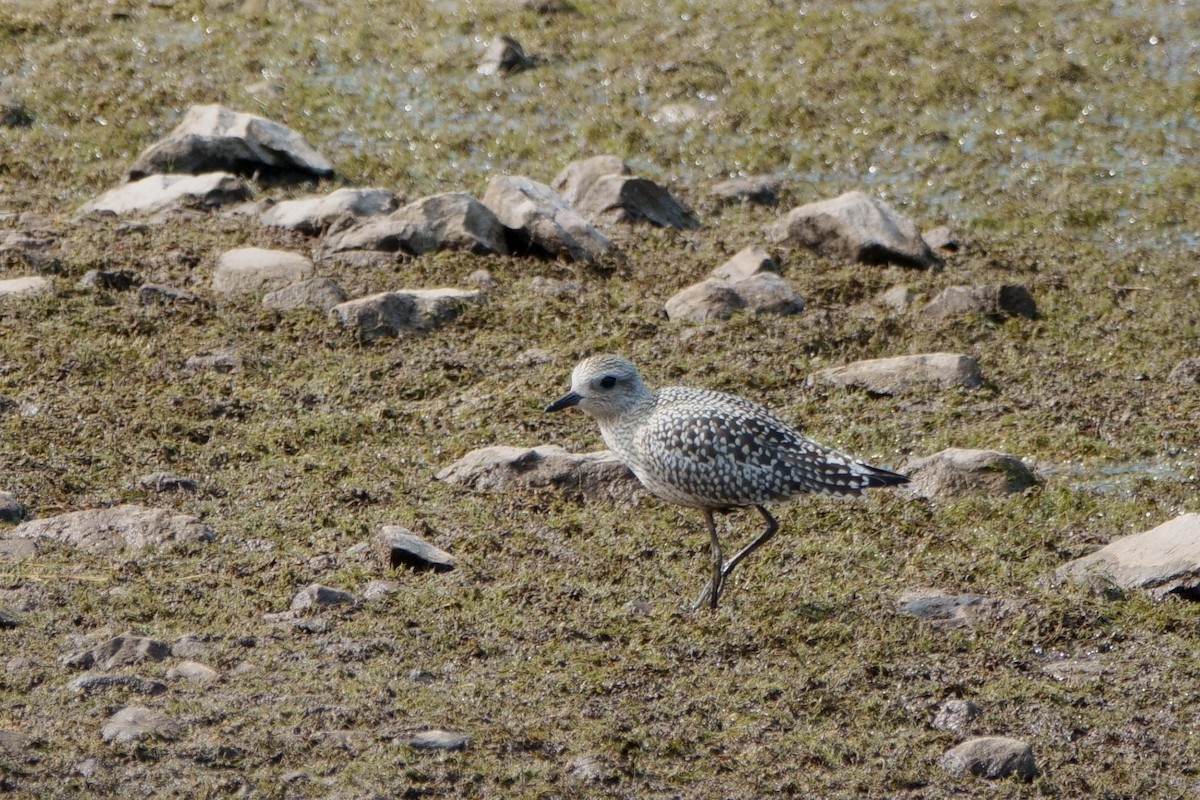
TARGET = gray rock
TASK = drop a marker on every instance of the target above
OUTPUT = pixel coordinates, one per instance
(120, 651)
(9, 618)
(398, 546)
(747, 263)
(991, 757)
(408, 312)
(942, 239)
(540, 222)
(438, 739)
(767, 293)
(955, 472)
(552, 287)
(378, 588)
(192, 671)
(319, 293)
(24, 287)
(17, 549)
(952, 610)
(163, 193)
(120, 280)
(11, 509)
(576, 179)
(590, 768)
(16, 747)
(161, 294)
(133, 724)
(597, 476)
(225, 361)
(7, 404)
(624, 199)
(897, 298)
(314, 214)
(1186, 372)
(85, 684)
(956, 715)
(858, 228)
(449, 221)
(991, 301)
(247, 270)
(504, 55)
(708, 300)
(899, 373)
(127, 527)
(318, 596)
(166, 482)
(760, 189)
(190, 645)
(214, 138)
(1161, 561)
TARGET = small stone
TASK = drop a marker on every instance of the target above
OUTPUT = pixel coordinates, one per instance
(165, 193)
(856, 227)
(88, 768)
(133, 724)
(409, 312)
(314, 214)
(9, 618)
(483, 279)
(552, 287)
(991, 301)
(760, 189)
(398, 546)
(747, 263)
(223, 361)
(951, 611)
(120, 651)
(576, 179)
(11, 509)
(447, 221)
(152, 293)
(86, 684)
(956, 715)
(955, 472)
(248, 270)
(625, 199)
(15, 746)
(590, 769)
(598, 475)
(991, 757)
(14, 113)
(378, 588)
(942, 239)
(1186, 372)
(192, 671)
(319, 293)
(898, 298)
(318, 596)
(190, 645)
(438, 739)
(504, 56)
(710, 299)
(120, 280)
(889, 376)
(540, 222)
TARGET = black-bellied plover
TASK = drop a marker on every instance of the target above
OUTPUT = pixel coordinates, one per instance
(710, 450)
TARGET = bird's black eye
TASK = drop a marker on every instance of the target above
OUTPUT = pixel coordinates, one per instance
(608, 381)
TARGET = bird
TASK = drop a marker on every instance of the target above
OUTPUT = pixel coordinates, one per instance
(710, 450)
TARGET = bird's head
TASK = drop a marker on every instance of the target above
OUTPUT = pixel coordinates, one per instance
(604, 387)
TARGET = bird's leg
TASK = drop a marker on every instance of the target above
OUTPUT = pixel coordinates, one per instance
(772, 527)
(712, 590)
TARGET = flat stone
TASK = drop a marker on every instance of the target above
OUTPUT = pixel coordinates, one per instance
(438, 739)
(248, 270)
(128, 527)
(398, 546)
(319, 293)
(1010, 300)
(161, 294)
(448, 221)
(162, 193)
(955, 472)
(625, 199)
(378, 588)
(314, 214)
(213, 137)
(408, 312)
(540, 222)
(224, 361)
(746, 263)
(120, 280)
(11, 509)
(590, 768)
(991, 757)
(897, 374)
(952, 610)
(17, 549)
(956, 715)
(166, 482)
(1161, 561)
(553, 287)
(318, 596)
(767, 293)
(759, 189)
(24, 287)
(85, 684)
(133, 724)
(120, 651)
(576, 178)
(192, 671)
(856, 227)
(597, 475)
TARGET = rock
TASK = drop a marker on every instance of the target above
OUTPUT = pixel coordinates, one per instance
(952, 611)
(590, 768)
(314, 214)
(224, 361)
(991, 757)
(27, 286)
(956, 715)
(576, 179)
(540, 222)
(86, 684)
(398, 546)
(161, 294)
(767, 293)
(14, 113)
(991, 301)
(318, 596)
(1186, 371)
(1161, 561)
(504, 56)
(120, 280)
(133, 724)
(379, 588)
(747, 263)
(859, 228)
(9, 618)
(954, 473)
(709, 299)
(120, 651)
(192, 671)
(190, 645)
(552, 287)
(760, 189)
(163, 193)
(483, 279)
(16, 747)
(900, 373)
(319, 293)
(595, 476)
(408, 312)
(438, 739)
(128, 527)
(449, 221)
(11, 509)
(247, 270)
(942, 239)
(617, 199)
(166, 482)
(17, 549)
(897, 298)
(214, 138)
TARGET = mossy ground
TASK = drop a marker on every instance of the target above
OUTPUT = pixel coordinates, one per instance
(1059, 141)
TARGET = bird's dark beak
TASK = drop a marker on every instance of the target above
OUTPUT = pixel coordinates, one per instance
(566, 401)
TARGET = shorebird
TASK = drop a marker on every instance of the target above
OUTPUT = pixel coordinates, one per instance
(710, 450)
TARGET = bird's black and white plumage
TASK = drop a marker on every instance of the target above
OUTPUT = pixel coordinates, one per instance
(710, 450)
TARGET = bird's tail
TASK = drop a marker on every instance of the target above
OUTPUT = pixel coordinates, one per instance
(878, 477)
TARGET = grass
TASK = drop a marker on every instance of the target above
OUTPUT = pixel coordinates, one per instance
(1057, 140)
